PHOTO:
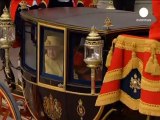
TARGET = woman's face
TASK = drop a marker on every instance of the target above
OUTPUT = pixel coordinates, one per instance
(52, 52)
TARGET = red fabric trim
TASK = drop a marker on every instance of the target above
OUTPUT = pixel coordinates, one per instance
(154, 32)
(150, 97)
(110, 86)
(156, 8)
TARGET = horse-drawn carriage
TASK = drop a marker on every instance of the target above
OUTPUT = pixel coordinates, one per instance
(63, 62)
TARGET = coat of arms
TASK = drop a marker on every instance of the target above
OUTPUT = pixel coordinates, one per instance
(52, 107)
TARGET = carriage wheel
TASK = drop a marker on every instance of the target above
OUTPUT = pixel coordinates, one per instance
(8, 106)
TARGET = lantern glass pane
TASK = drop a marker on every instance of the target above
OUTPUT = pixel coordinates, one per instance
(93, 53)
(11, 33)
(7, 33)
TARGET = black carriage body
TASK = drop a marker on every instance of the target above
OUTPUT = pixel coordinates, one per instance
(68, 96)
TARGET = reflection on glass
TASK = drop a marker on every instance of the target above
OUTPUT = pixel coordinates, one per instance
(30, 45)
(54, 55)
(93, 54)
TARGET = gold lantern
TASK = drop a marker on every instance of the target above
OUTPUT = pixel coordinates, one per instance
(7, 35)
(93, 54)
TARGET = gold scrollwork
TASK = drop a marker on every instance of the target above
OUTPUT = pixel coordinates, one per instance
(52, 107)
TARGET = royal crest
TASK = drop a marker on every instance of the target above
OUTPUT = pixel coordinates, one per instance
(80, 109)
(52, 107)
(135, 83)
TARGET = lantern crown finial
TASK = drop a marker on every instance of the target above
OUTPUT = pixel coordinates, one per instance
(93, 35)
(5, 15)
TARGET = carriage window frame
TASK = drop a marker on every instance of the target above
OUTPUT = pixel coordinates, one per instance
(45, 78)
(23, 52)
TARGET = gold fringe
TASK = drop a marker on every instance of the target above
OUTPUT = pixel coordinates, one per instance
(108, 98)
(110, 53)
(118, 74)
(129, 101)
(149, 109)
(150, 85)
(113, 75)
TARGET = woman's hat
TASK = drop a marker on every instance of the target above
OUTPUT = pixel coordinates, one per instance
(53, 41)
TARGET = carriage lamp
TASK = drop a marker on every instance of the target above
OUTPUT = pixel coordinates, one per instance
(7, 35)
(110, 5)
(93, 54)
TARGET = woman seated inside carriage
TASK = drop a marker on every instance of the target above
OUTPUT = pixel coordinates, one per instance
(54, 55)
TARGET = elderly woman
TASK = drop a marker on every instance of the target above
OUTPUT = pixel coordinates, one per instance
(54, 55)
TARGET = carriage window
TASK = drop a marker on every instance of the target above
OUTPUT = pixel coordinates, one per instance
(30, 45)
(53, 51)
(80, 73)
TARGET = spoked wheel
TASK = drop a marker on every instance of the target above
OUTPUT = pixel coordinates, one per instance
(8, 107)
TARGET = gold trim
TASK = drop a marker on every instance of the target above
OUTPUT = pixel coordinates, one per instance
(150, 85)
(149, 109)
(53, 88)
(142, 44)
(129, 101)
(65, 53)
(113, 75)
(121, 73)
(108, 98)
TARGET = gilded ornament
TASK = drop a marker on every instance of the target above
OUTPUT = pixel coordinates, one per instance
(135, 83)
(80, 109)
(52, 107)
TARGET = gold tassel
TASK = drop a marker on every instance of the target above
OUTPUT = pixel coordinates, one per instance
(152, 65)
(149, 65)
(109, 57)
(155, 67)
(110, 53)
(135, 61)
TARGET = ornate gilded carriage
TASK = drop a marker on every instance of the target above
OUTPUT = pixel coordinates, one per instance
(66, 94)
